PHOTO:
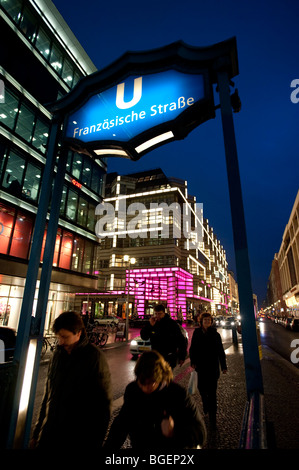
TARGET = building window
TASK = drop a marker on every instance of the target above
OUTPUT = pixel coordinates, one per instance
(21, 236)
(9, 109)
(71, 208)
(13, 8)
(40, 136)
(32, 182)
(28, 25)
(25, 122)
(66, 251)
(7, 215)
(77, 257)
(13, 175)
(56, 59)
(43, 43)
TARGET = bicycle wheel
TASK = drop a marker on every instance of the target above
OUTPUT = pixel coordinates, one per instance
(44, 348)
(103, 340)
(93, 338)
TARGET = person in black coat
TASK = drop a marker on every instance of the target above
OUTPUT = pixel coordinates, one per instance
(157, 413)
(165, 336)
(207, 356)
(76, 406)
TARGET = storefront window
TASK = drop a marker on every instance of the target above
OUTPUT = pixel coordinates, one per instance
(21, 236)
(66, 251)
(6, 224)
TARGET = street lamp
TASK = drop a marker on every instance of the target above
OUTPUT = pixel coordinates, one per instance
(129, 261)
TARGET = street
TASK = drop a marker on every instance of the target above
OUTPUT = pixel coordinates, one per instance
(279, 338)
(231, 388)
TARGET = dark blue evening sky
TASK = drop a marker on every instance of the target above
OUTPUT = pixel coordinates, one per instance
(266, 128)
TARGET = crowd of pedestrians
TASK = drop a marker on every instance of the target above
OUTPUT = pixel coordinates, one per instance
(157, 413)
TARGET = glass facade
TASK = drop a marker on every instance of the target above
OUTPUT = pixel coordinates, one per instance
(29, 23)
(22, 118)
(24, 133)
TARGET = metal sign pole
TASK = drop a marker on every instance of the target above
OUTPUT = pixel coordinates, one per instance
(37, 330)
(249, 337)
(22, 341)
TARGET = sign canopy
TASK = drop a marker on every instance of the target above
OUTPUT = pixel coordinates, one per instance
(144, 99)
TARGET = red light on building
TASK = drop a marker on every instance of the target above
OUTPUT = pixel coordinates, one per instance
(76, 183)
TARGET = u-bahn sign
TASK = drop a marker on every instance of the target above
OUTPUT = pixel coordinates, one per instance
(144, 100)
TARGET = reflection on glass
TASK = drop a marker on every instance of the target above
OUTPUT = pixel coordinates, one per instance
(9, 109)
(71, 208)
(40, 137)
(25, 123)
(43, 43)
(32, 182)
(14, 174)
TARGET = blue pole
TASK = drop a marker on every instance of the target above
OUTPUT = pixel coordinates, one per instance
(23, 336)
(38, 325)
(253, 372)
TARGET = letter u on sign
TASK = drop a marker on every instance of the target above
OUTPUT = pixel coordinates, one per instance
(120, 103)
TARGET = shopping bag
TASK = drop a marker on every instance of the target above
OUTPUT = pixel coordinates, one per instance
(192, 384)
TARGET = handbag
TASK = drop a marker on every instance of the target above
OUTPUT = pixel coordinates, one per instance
(192, 384)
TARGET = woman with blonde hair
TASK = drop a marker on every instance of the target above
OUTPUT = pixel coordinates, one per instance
(157, 413)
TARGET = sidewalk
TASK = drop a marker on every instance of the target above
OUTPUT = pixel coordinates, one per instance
(281, 385)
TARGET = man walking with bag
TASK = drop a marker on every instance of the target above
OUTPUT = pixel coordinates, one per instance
(207, 356)
(165, 336)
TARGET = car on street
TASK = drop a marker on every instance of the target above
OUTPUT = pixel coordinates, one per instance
(7, 343)
(217, 320)
(294, 325)
(138, 345)
(228, 322)
(111, 320)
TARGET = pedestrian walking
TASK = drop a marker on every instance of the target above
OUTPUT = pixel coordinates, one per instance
(207, 356)
(165, 336)
(75, 410)
(157, 413)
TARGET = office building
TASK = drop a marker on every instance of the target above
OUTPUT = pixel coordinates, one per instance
(178, 260)
(40, 61)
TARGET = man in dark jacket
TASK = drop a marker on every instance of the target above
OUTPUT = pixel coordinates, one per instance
(207, 356)
(76, 407)
(157, 413)
(165, 336)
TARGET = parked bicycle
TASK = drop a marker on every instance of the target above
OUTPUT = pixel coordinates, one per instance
(97, 335)
(49, 343)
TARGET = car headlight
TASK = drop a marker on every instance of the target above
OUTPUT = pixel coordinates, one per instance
(222, 322)
(133, 342)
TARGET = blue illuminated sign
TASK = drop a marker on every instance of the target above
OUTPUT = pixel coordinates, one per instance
(135, 105)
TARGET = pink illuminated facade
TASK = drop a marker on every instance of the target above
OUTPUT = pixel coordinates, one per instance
(173, 265)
